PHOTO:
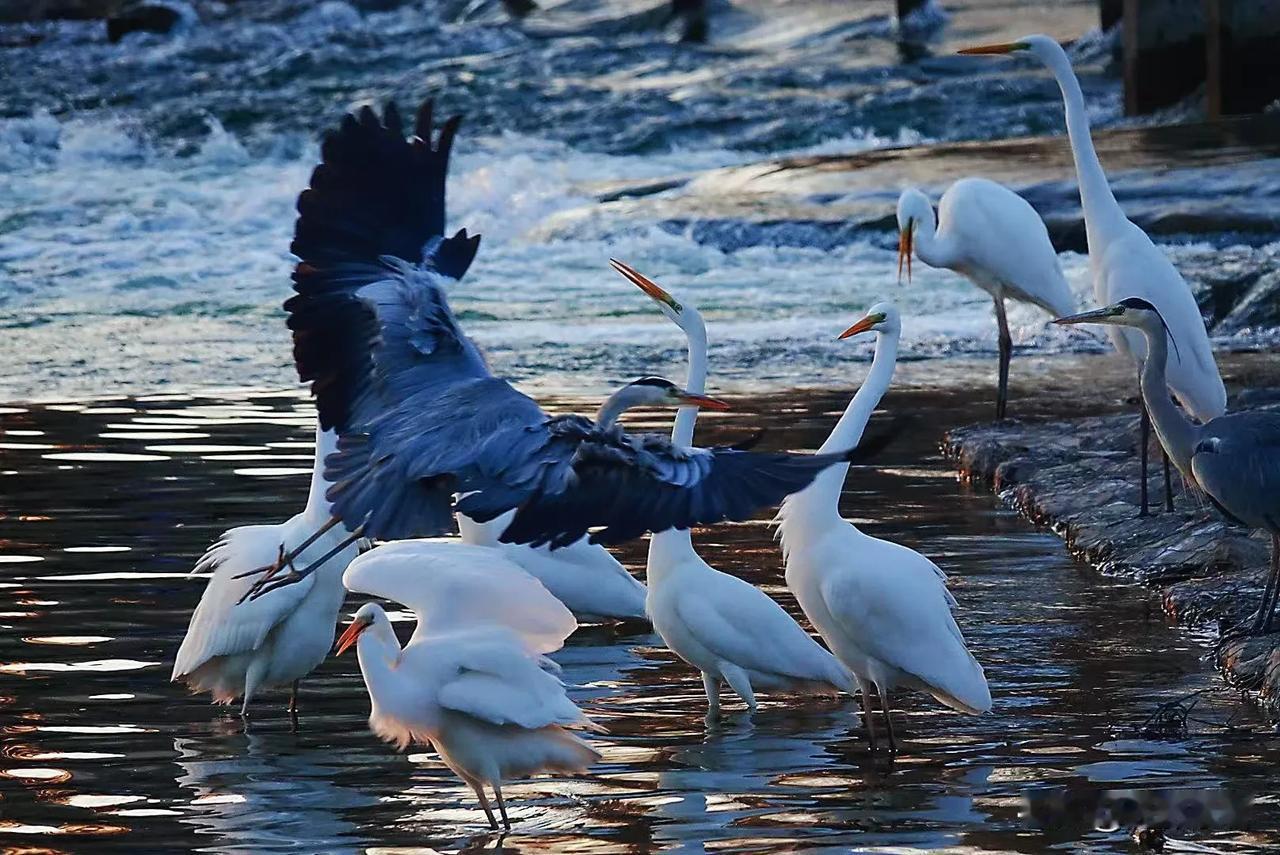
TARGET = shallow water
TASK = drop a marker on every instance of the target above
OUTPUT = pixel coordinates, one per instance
(147, 188)
(108, 504)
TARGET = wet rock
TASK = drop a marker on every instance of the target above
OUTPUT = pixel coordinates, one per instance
(143, 17)
(1079, 477)
(1259, 309)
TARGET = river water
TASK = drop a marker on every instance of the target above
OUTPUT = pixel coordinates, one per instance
(99, 751)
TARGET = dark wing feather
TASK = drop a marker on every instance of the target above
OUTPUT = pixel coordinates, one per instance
(1237, 462)
(373, 216)
(581, 477)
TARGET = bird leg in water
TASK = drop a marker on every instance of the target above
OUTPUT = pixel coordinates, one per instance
(888, 719)
(866, 715)
(1262, 622)
(502, 806)
(1145, 443)
(1168, 481)
(484, 803)
(269, 583)
(711, 684)
(1006, 354)
(293, 701)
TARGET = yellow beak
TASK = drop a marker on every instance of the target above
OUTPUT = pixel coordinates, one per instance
(644, 283)
(1007, 47)
(349, 637)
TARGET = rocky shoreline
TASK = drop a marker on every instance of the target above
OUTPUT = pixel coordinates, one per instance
(1079, 477)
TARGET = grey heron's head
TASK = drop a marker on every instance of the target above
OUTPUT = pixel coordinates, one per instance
(660, 392)
(880, 318)
(1132, 312)
(368, 615)
(914, 211)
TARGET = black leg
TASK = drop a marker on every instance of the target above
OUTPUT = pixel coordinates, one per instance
(1262, 621)
(1168, 482)
(1269, 607)
(1006, 353)
(888, 719)
(1144, 510)
(866, 715)
(267, 584)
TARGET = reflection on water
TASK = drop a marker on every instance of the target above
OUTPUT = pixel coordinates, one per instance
(98, 750)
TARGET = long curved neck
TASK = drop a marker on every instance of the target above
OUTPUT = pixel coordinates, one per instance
(318, 507)
(825, 489)
(1177, 434)
(1101, 210)
(613, 407)
(379, 652)
(667, 547)
(931, 248)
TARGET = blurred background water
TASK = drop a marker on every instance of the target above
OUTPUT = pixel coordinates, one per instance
(148, 186)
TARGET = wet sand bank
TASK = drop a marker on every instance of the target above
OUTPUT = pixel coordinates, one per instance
(1077, 473)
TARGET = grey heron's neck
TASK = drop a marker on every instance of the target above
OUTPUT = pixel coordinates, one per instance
(318, 507)
(615, 405)
(1102, 211)
(1177, 434)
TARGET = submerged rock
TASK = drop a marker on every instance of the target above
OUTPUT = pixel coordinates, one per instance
(1080, 477)
(144, 17)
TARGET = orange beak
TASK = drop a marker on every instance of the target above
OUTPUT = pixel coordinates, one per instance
(862, 326)
(644, 283)
(349, 637)
(703, 401)
(906, 238)
(1007, 47)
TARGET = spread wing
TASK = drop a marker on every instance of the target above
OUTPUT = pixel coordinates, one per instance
(570, 476)
(372, 218)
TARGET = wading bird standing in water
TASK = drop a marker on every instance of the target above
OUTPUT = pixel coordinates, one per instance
(883, 609)
(419, 415)
(1234, 459)
(728, 629)
(1125, 263)
(992, 237)
(473, 681)
(235, 648)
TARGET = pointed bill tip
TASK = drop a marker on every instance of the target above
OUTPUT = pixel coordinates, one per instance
(990, 50)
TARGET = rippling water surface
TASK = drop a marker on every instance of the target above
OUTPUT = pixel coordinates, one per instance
(99, 751)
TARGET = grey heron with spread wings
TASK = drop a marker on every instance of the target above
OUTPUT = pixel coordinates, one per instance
(419, 414)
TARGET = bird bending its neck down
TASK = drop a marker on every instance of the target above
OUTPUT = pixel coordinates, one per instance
(650, 392)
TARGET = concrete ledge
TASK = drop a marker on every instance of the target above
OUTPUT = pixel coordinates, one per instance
(1079, 477)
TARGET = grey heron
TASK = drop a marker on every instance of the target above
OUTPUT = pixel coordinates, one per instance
(419, 415)
(1234, 459)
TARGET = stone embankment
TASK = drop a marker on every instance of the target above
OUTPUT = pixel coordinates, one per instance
(1079, 477)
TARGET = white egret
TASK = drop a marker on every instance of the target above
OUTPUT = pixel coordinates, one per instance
(233, 648)
(583, 575)
(473, 681)
(1234, 459)
(992, 237)
(883, 609)
(1125, 263)
(725, 627)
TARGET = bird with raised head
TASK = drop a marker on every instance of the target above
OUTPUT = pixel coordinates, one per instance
(883, 609)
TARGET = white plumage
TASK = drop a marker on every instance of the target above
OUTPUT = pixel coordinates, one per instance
(883, 609)
(235, 649)
(995, 239)
(583, 575)
(728, 629)
(472, 681)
